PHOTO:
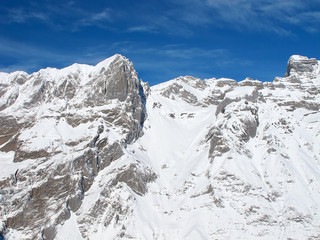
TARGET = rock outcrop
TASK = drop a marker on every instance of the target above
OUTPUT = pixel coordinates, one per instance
(69, 125)
(301, 65)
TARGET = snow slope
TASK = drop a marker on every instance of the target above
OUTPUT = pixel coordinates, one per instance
(264, 187)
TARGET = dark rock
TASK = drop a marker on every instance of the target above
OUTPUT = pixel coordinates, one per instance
(48, 233)
(226, 82)
(67, 89)
(254, 83)
(218, 145)
(172, 89)
(224, 103)
(117, 82)
(9, 129)
(136, 179)
(110, 154)
(75, 202)
(298, 64)
(23, 155)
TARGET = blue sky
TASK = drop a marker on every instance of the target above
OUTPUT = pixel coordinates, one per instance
(164, 39)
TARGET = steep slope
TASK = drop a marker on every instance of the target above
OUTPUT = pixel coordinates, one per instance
(96, 154)
(233, 160)
(59, 130)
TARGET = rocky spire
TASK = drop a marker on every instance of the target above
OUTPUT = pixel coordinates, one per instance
(301, 65)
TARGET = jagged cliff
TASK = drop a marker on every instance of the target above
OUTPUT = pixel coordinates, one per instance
(61, 128)
(91, 152)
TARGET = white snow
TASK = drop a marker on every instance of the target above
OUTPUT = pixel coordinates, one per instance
(240, 92)
(54, 74)
(267, 187)
(7, 166)
(298, 58)
(69, 230)
(51, 134)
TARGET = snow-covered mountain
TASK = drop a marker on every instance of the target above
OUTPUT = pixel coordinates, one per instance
(91, 152)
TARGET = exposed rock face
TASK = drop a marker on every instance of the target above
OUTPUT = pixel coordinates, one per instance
(136, 180)
(237, 123)
(90, 152)
(301, 65)
(59, 122)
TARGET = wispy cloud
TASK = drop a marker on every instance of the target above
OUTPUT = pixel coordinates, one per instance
(162, 24)
(98, 19)
(59, 17)
(176, 17)
(21, 15)
(277, 16)
(142, 28)
(309, 20)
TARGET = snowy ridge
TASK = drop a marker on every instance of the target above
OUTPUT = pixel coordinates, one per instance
(186, 159)
(52, 74)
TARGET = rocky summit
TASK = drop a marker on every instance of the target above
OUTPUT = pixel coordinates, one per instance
(92, 152)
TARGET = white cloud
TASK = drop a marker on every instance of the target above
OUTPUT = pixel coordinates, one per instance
(278, 16)
(178, 17)
(105, 15)
(20, 15)
(58, 17)
(267, 15)
(141, 28)
(309, 20)
(99, 19)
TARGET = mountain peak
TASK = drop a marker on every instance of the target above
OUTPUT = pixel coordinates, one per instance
(106, 62)
(298, 58)
(301, 65)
